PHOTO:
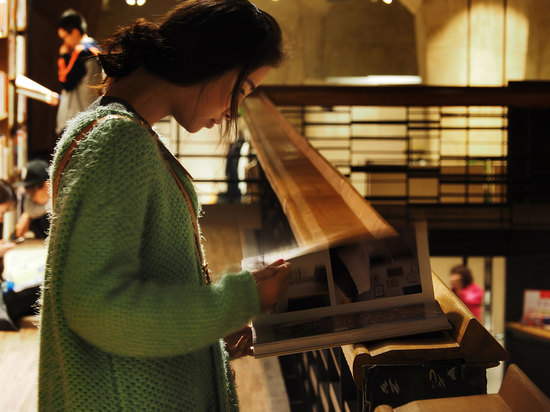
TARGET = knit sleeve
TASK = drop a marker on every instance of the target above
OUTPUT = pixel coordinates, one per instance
(107, 297)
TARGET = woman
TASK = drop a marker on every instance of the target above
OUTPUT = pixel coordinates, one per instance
(471, 294)
(129, 320)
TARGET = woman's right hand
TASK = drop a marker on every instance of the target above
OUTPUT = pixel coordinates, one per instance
(272, 282)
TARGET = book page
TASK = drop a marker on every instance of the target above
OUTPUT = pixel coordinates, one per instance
(311, 284)
(357, 275)
(376, 269)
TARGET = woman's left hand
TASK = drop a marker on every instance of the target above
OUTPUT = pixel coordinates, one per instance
(239, 344)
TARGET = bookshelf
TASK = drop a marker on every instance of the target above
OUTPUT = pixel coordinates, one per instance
(13, 106)
(13, 135)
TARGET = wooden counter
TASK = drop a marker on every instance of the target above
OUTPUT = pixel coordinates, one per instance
(529, 347)
(530, 332)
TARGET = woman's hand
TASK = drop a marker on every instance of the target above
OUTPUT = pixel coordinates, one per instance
(272, 281)
(239, 344)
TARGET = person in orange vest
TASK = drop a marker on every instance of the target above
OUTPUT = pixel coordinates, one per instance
(78, 68)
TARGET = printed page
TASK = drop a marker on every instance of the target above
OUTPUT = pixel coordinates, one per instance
(311, 287)
(358, 275)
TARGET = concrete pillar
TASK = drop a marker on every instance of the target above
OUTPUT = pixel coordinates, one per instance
(474, 42)
(538, 47)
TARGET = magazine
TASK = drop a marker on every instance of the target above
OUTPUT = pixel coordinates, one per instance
(357, 290)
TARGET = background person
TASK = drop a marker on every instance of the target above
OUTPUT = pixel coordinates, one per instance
(36, 206)
(462, 284)
(129, 320)
(13, 305)
(78, 69)
(8, 202)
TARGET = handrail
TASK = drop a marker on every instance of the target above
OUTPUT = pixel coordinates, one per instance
(524, 94)
(318, 201)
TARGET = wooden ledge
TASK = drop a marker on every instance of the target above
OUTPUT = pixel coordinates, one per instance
(529, 332)
(468, 341)
(319, 203)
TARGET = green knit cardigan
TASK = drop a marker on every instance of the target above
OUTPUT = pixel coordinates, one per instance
(127, 321)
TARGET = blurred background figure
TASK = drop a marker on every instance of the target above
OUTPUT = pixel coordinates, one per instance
(36, 206)
(462, 284)
(14, 302)
(78, 68)
(8, 202)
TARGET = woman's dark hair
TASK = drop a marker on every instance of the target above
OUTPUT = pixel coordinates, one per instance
(197, 41)
(71, 19)
(7, 194)
(465, 273)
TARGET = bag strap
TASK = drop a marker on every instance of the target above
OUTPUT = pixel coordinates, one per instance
(166, 155)
(70, 150)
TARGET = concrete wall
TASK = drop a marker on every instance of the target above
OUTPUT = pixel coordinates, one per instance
(482, 42)
(325, 38)
(446, 42)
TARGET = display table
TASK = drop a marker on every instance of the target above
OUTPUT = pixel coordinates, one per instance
(530, 350)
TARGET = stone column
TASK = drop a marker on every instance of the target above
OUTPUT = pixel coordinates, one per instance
(472, 42)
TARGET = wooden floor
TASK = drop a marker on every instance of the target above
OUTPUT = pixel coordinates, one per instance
(259, 382)
(19, 367)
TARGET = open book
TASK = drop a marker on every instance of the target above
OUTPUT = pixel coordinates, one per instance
(354, 291)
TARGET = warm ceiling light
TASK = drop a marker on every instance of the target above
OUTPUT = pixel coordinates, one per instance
(387, 1)
(140, 2)
(131, 2)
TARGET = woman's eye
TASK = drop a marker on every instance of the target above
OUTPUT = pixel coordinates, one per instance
(243, 92)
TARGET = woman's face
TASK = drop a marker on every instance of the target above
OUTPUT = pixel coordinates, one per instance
(214, 100)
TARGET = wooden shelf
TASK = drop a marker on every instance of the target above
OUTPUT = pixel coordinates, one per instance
(532, 332)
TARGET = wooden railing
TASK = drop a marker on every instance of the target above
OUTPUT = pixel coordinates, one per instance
(524, 94)
(318, 201)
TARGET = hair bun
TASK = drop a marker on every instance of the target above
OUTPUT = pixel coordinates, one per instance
(141, 39)
(130, 47)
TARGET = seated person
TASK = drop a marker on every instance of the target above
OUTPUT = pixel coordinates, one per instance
(8, 202)
(37, 206)
(13, 304)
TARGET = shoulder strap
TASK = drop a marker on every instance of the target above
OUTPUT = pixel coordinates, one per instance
(72, 147)
(164, 152)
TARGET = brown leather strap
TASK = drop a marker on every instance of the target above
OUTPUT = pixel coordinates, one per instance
(164, 151)
(72, 147)
(175, 161)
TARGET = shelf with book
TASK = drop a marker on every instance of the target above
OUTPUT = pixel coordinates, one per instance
(13, 24)
(13, 135)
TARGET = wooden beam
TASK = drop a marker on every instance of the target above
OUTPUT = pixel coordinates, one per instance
(536, 94)
(320, 204)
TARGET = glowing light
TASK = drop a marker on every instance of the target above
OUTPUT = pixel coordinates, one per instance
(387, 1)
(375, 80)
(131, 2)
(140, 2)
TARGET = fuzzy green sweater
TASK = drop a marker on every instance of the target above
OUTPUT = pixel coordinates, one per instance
(127, 322)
